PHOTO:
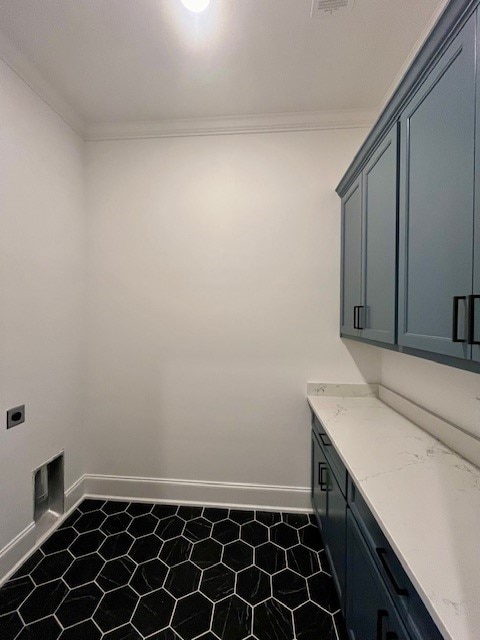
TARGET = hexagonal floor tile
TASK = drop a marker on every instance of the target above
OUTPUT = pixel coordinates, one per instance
(270, 558)
(59, 540)
(189, 513)
(84, 570)
(10, 626)
(79, 604)
(272, 621)
(126, 632)
(296, 520)
(115, 546)
(310, 537)
(182, 579)
(149, 576)
(175, 551)
(192, 616)
(43, 601)
(322, 592)
(90, 504)
(161, 511)
(232, 619)
(82, 631)
(268, 518)
(52, 567)
(170, 527)
(312, 623)
(47, 629)
(212, 514)
(29, 565)
(241, 516)
(153, 612)
(206, 553)
(13, 593)
(116, 523)
(254, 533)
(115, 608)
(253, 585)
(87, 543)
(237, 555)
(303, 560)
(284, 535)
(145, 548)
(289, 588)
(116, 573)
(114, 506)
(217, 582)
(89, 521)
(197, 529)
(139, 508)
(225, 531)
(142, 525)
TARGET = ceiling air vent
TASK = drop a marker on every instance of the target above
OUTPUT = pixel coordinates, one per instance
(320, 7)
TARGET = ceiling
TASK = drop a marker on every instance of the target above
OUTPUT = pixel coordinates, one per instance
(120, 61)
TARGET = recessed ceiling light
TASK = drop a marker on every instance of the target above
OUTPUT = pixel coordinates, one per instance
(196, 5)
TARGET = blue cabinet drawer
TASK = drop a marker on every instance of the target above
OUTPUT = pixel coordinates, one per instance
(370, 611)
(409, 604)
(334, 460)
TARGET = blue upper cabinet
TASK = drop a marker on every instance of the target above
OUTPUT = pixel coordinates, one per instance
(437, 204)
(369, 215)
(351, 275)
(379, 242)
(474, 308)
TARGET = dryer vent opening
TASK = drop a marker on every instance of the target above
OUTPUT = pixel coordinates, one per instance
(48, 489)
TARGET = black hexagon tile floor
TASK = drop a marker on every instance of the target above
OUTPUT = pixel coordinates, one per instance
(132, 571)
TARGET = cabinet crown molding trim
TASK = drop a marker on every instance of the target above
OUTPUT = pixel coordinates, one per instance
(447, 27)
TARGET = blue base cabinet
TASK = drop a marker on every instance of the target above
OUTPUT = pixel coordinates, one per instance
(377, 598)
(370, 612)
(330, 505)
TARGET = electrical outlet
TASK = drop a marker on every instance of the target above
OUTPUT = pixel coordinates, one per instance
(15, 416)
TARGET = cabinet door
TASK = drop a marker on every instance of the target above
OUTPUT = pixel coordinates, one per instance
(436, 203)
(319, 481)
(380, 242)
(335, 533)
(370, 612)
(475, 302)
(351, 277)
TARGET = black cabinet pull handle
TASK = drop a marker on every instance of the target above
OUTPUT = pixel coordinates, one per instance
(381, 616)
(355, 317)
(456, 300)
(321, 482)
(359, 315)
(382, 554)
(471, 319)
(324, 440)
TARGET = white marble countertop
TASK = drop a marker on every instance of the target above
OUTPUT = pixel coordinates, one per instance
(426, 499)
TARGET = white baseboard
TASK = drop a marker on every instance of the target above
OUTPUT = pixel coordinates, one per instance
(14, 554)
(178, 491)
(163, 490)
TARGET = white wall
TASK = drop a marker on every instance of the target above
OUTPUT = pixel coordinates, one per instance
(214, 297)
(451, 393)
(41, 282)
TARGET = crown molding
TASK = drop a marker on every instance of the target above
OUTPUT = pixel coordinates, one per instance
(20, 64)
(268, 123)
(206, 126)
